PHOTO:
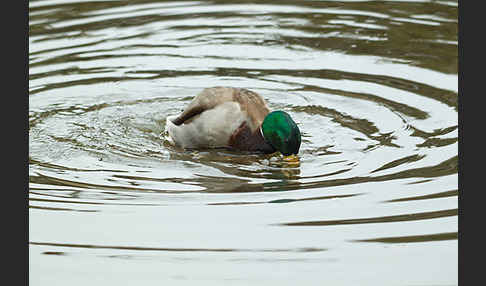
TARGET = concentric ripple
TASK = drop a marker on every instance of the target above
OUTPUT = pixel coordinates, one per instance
(371, 84)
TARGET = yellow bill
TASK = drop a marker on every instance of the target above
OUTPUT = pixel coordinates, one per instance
(291, 158)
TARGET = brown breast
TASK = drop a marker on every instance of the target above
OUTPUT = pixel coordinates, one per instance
(247, 140)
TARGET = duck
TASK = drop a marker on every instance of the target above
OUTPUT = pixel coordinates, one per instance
(233, 118)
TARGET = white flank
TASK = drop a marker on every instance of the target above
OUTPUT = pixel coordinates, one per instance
(210, 129)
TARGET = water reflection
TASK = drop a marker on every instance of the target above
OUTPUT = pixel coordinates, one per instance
(407, 217)
(371, 84)
(176, 249)
(415, 238)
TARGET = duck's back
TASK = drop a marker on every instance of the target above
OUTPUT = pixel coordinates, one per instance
(215, 116)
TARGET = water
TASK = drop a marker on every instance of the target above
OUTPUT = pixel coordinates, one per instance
(371, 84)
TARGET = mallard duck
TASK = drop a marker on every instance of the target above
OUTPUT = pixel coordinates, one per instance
(234, 118)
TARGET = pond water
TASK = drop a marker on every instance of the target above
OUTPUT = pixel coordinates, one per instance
(373, 86)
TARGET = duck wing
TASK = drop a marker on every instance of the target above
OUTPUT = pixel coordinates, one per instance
(209, 98)
(250, 102)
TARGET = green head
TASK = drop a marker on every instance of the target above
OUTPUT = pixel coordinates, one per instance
(280, 131)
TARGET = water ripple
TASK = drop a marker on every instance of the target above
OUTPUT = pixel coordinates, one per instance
(371, 84)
